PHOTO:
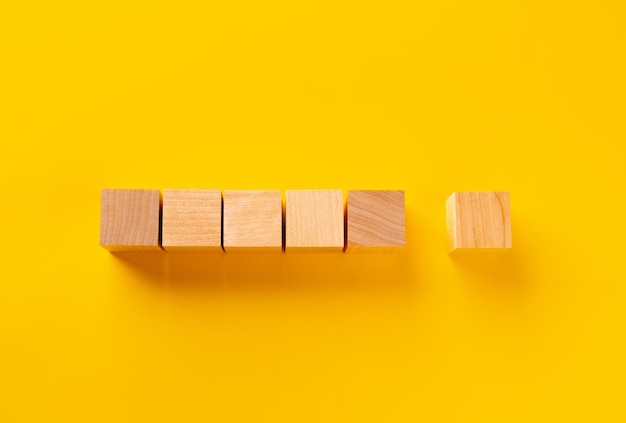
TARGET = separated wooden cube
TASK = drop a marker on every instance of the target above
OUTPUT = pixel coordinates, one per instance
(478, 221)
(314, 221)
(253, 221)
(192, 220)
(129, 219)
(376, 221)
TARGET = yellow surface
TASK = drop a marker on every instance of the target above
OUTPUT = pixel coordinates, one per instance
(430, 97)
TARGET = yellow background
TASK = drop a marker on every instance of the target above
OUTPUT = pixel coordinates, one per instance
(429, 97)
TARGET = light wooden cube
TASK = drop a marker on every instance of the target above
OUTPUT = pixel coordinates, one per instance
(478, 221)
(376, 221)
(253, 221)
(192, 220)
(314, 221)
(129, 219)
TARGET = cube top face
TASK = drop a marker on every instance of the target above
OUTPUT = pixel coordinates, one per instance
(376, 220)
(314, 221)
(129, 219)
(253, 221)
(478, 221)
(192, 220)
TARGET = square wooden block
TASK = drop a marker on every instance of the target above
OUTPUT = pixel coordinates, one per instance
(314, 221)
(478, 221)
(253, 221)
(129, 219)
(375, 221)
(192, 220)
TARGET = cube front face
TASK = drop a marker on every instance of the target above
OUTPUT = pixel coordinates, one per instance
(253, 221)
(478, 221)
(129, 220)
(192, 220)
(376, 221)
(314, 221)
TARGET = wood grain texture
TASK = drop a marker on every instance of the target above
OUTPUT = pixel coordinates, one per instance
(314, 221)
(478, 221)
(129, 219)
(192, 220)
(253, 221)
(375, 221)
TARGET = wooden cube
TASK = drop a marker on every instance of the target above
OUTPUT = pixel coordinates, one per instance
(192, 220)
(314, 221)
(478, 221)
(129, 219)
(375, 221)
(253, 221)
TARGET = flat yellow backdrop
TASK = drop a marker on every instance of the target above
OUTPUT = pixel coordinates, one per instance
(429, 97)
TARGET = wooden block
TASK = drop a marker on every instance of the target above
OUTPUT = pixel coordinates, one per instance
(192, 220)
(478, 221)
(314, 221)
(253, 221)
(375, 221)
(129, 219)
